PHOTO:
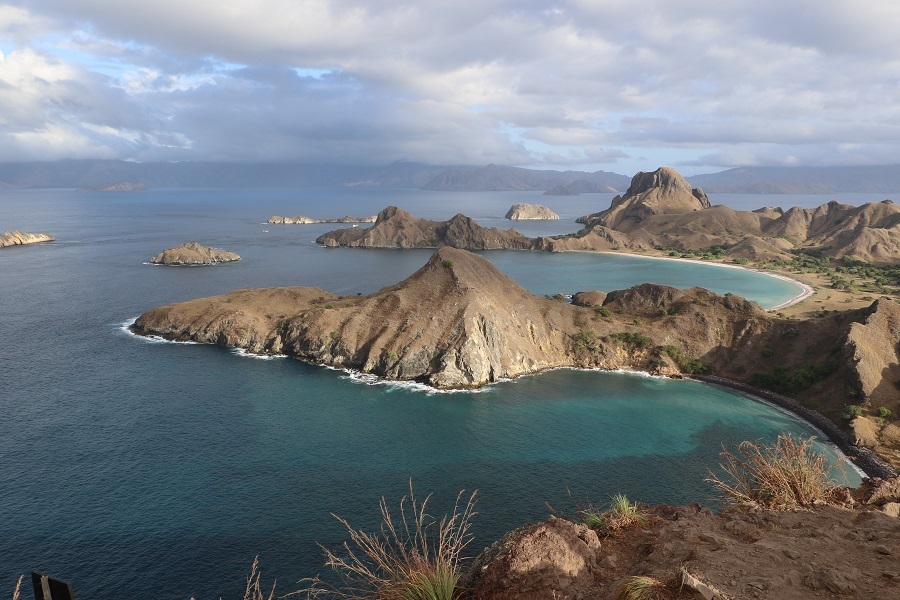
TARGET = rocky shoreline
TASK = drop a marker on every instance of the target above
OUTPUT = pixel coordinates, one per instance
(864, 458)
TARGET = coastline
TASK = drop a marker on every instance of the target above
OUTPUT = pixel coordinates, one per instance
(864, 458)
(806, 290)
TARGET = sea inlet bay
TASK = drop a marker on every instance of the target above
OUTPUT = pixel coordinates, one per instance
(138, 468)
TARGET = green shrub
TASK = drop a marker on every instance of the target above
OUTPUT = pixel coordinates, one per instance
(686, 363)
(784, 382)
(392, 356)
(635, 340)
(768, 352)
(851, 411)
(602, 311)
(448, 263)
(884, 412)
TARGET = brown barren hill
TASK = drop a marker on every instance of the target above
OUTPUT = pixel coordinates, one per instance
(396, 228)
(660, 209)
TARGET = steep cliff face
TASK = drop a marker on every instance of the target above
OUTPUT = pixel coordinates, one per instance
(192, 253)
(396, 228)
(20, 238)
(457, 322)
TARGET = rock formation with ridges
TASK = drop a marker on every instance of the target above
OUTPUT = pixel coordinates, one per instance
(20, 238)
(530, 212)
(396, 228)
(193, 254)
(661, 210)
(661, 192)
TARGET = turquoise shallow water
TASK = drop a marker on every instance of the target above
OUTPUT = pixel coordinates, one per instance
(157, 470)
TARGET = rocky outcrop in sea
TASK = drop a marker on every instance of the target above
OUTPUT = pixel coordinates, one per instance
(531, 212)
(193, 254)
(20, 238)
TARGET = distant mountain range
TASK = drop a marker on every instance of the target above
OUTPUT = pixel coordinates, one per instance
(96, 174)
(801, 180)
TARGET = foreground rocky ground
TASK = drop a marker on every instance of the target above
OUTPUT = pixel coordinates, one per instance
(846, 551)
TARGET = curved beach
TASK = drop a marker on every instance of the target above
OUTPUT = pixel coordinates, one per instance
(806, 290)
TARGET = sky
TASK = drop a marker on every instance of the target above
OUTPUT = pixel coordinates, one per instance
(581, 84)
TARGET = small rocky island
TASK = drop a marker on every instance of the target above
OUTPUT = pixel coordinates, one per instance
(20, 238)
(531, 212)
(301, 220)
(193, 254)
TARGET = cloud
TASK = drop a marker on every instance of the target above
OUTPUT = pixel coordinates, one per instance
(576, 82)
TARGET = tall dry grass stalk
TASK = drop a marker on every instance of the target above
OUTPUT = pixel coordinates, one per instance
(254, 589)
(412, 558)
(787, 474)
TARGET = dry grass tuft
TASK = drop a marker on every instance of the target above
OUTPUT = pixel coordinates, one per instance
(413, 558)
(621, 514)
(787, 474)
(643, 588)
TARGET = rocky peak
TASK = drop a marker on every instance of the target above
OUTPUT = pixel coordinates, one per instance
(667, 180)
(663, 191)
(392, 212)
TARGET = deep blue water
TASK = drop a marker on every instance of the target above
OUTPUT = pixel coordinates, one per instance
(155, 470)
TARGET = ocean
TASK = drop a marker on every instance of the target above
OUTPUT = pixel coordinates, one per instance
(144, 469)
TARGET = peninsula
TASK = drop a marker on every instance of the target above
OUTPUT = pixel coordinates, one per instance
(20, 238)
(193, 254)
(458, 322)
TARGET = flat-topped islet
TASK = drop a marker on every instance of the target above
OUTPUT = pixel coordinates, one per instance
(531, 212)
